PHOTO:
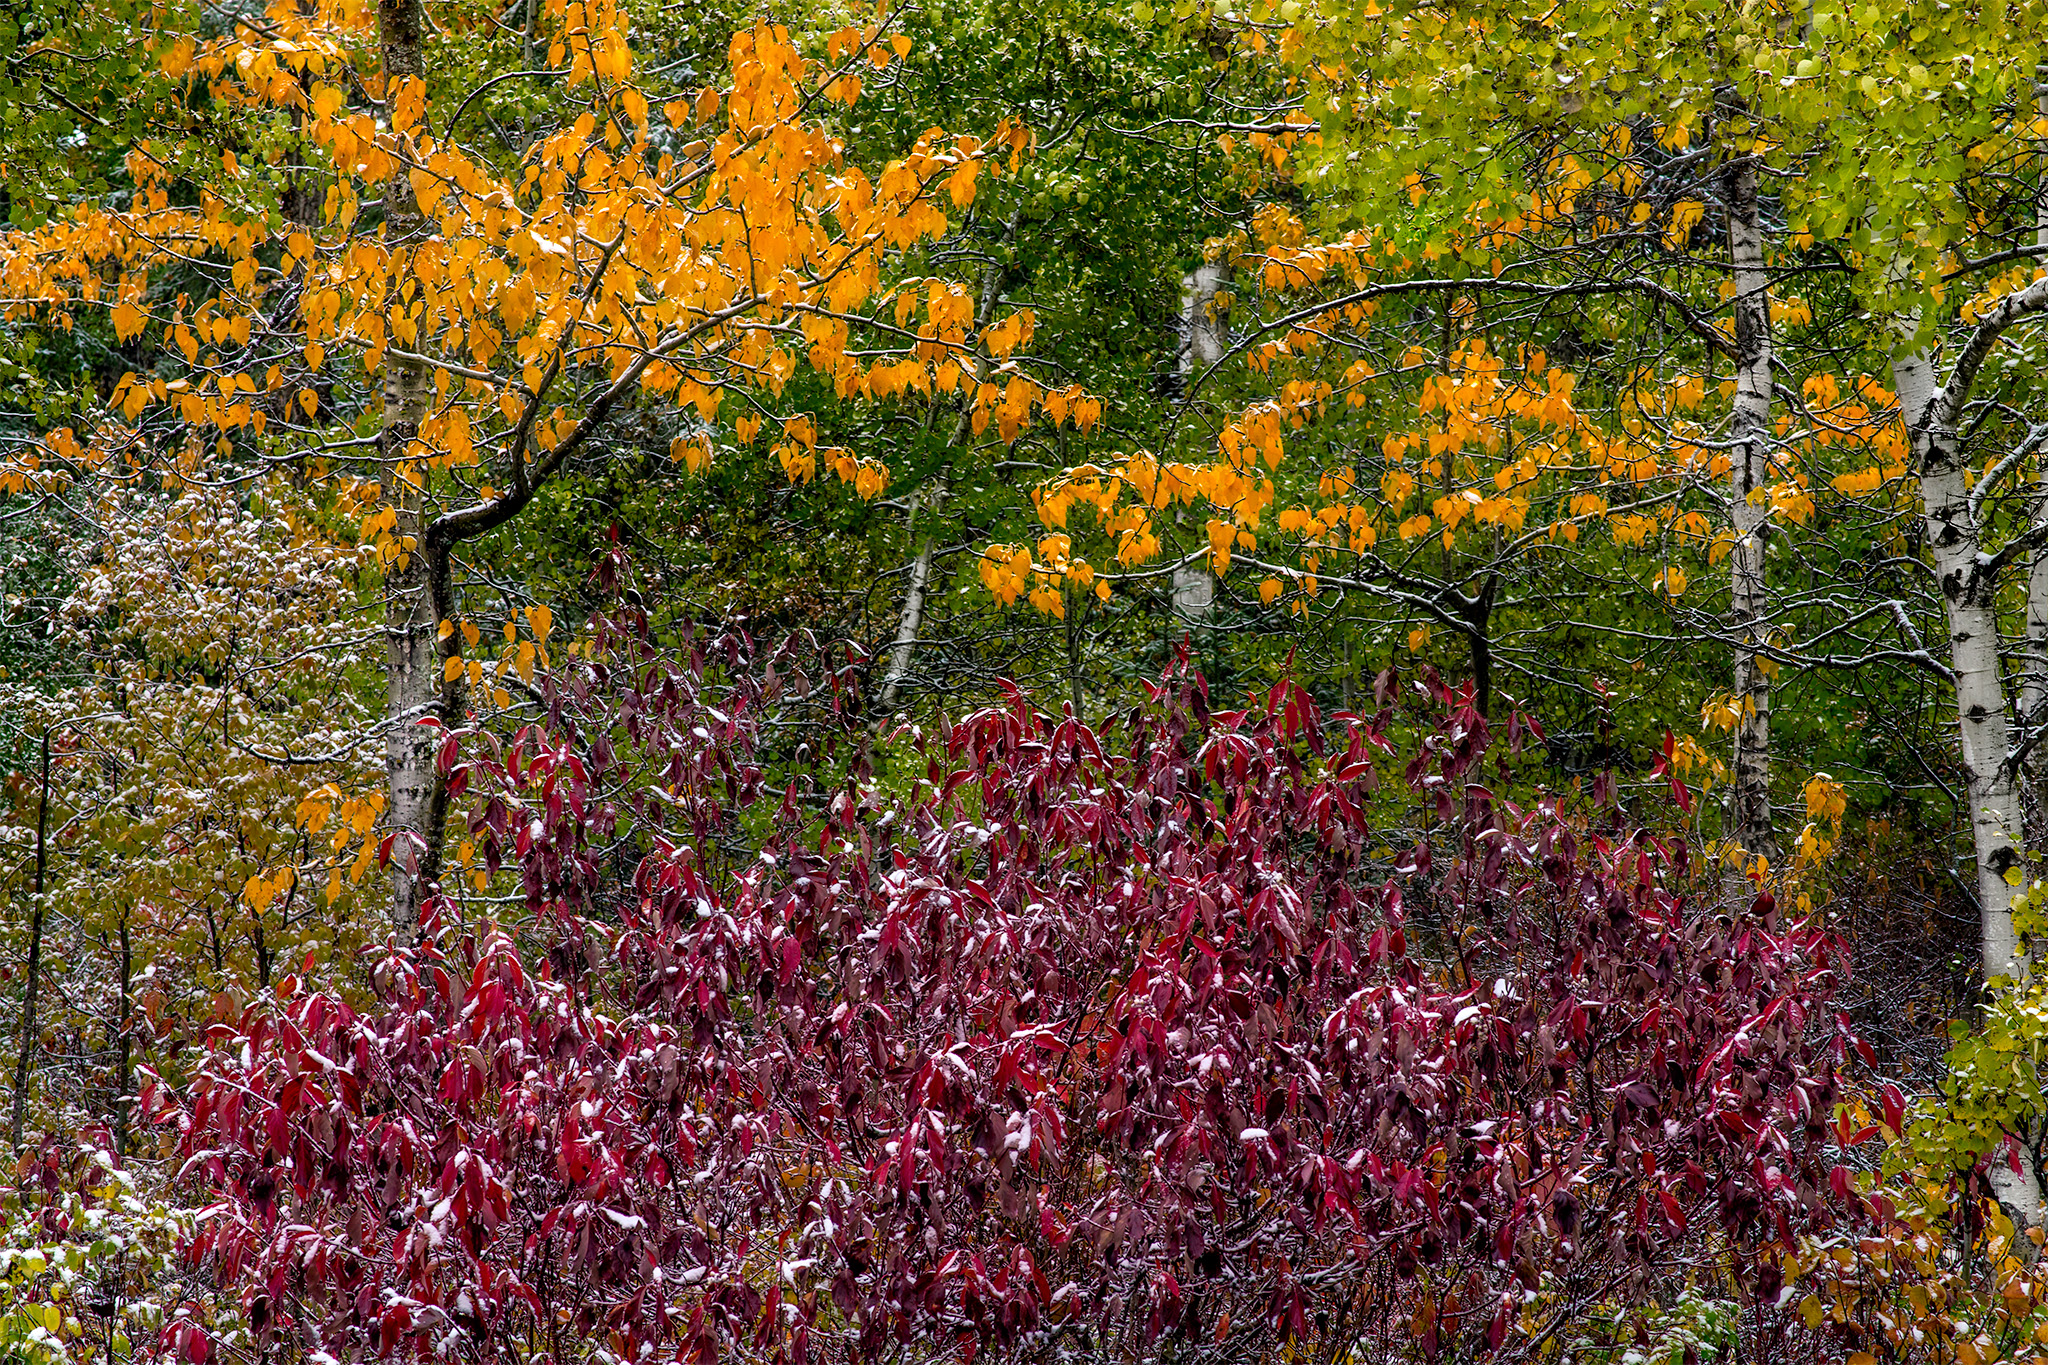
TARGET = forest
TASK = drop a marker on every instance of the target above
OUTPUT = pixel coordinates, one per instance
(947, 682)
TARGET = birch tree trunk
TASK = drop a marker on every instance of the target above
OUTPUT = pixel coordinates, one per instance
(1203, 334)
(1967, 589)
(1973, 627)
(1968, 592)
(1194, 592)
(1968, 579)
(416, 813)
(907, 625)
(1749, 822)
(1203, 339)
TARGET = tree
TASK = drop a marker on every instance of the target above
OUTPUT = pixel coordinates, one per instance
(509, 310)
(1584, 172)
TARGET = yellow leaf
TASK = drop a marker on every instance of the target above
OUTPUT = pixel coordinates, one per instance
(128, 321)
(541, 619)
(451, 669)
(961, 184)
(408, 103)
(314, 808)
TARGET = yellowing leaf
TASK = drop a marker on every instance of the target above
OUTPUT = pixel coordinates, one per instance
(128, 321)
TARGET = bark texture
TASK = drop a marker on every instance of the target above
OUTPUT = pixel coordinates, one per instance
(1968, 578)
(1204, 337)
(417, 809)
(919, 587)
(1749, 823)
(1203, 334)
(1967, 589)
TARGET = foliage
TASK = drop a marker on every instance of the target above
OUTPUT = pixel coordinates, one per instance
(201, 636)
(1099, 1040)
(85, 1247)
(1945, 1275)
(392, 391)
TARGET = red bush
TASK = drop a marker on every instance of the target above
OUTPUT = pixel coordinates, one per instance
(1111, 1045)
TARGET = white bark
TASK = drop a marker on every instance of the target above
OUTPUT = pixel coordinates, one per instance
(1968, 581)
(1203, 333)
(416, 809)
(914, 594)
(1204, 337)
(2018, 1192)
(1968, 589)
(1194, 592)
(1749, 513)
(417, 806)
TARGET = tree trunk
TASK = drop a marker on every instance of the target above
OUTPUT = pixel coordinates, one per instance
(920, 582)
(1968, 579)
(1749, 813)
(1478, 614)
(1203, 335)
(32, 988)
(1967, 590)
(123, 1035)
(1194, 593)
(417, 809)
